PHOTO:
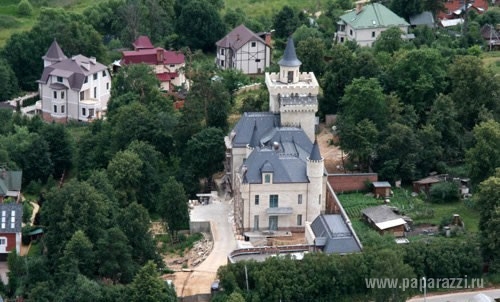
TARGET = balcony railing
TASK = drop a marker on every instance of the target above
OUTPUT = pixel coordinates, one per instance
(279, 211)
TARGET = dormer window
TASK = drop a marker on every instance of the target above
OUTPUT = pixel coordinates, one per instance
(268, 178)
(60, 79)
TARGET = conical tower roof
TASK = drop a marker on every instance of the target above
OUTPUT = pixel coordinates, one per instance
(54, 53)
(315, 154)
(289, 58)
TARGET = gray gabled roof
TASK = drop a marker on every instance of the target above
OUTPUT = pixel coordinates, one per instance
(252, 127)
(10, 181)
(74, 69)
(283, 153)
(333, 230)
(289, 58)
(238, 37)
(380, 214)
(11, 223)
(424, 18)
(54, 53)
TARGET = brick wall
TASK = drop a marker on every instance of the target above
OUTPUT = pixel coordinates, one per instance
(351, 182)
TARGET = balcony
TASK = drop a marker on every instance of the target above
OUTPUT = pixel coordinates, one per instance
(280, 211)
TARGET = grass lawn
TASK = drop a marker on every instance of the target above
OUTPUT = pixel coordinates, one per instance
(35, 249)
(254, 8)
(421, 212)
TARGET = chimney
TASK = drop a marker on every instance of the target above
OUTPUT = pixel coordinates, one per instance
(92, 60)
(268, 38)
(159, 55)
(237, 37)
(359, 6)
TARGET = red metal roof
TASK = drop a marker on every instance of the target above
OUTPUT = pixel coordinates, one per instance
(480, 6)
(150, 56)
(142, 42)
(166, 76)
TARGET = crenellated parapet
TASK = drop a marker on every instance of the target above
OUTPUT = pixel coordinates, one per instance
(307, 84)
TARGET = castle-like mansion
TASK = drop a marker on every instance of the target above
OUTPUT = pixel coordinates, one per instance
(274, 165)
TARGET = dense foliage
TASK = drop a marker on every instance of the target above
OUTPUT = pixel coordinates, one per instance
(322, 277)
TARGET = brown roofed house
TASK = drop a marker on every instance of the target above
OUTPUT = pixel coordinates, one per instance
(244, 50)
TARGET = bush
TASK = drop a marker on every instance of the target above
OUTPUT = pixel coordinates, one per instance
(24, 8)
(444, 192)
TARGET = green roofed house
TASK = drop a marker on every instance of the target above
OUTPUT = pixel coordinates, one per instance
(365, 23)
(10, 184)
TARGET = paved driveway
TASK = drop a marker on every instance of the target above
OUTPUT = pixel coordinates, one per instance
(220, 217)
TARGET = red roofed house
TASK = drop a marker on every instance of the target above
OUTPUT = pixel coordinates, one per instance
(167, 64)
(244, 50)
(454, 8)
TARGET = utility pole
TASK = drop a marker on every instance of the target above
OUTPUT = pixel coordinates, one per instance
(246, 278)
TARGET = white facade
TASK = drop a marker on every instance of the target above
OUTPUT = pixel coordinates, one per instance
(363, 37)
(294, 114)
(85, 104)
(251, 58)
(296, 204)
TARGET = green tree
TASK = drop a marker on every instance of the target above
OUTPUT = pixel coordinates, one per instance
(94, 150)
(484, 157)
(389, 264)
(235, 297)
(8, 82)
(151, 173)
(208, 142)
(148, 287)
(136, 82)
(114, 256)
(79, 289)
(124, 172)
(405, 8)
(173, 206)
(389, 40)
(305, 32)
(474, 90)
(488, 201)
(444, 192)
(61, 147)
(443, 117)
(79, 250)
(417, 84)
(398, 153)
(286, 21)
(233, 18)
(24, 8)
(199, 25)
(338, 74)
(24, 50)
(75, 206)
(311, 52)
(30, 152)
(134, 221)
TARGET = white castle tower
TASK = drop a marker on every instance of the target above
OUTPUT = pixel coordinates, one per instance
(317, 182)
(292, 93)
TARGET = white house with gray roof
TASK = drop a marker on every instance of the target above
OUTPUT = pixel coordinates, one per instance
(76, 88)
(365, 23)
(244, 50)
(273, 163)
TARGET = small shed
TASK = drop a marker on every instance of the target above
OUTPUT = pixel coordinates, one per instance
(384, 220)
(381, 188)
(425, 184)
